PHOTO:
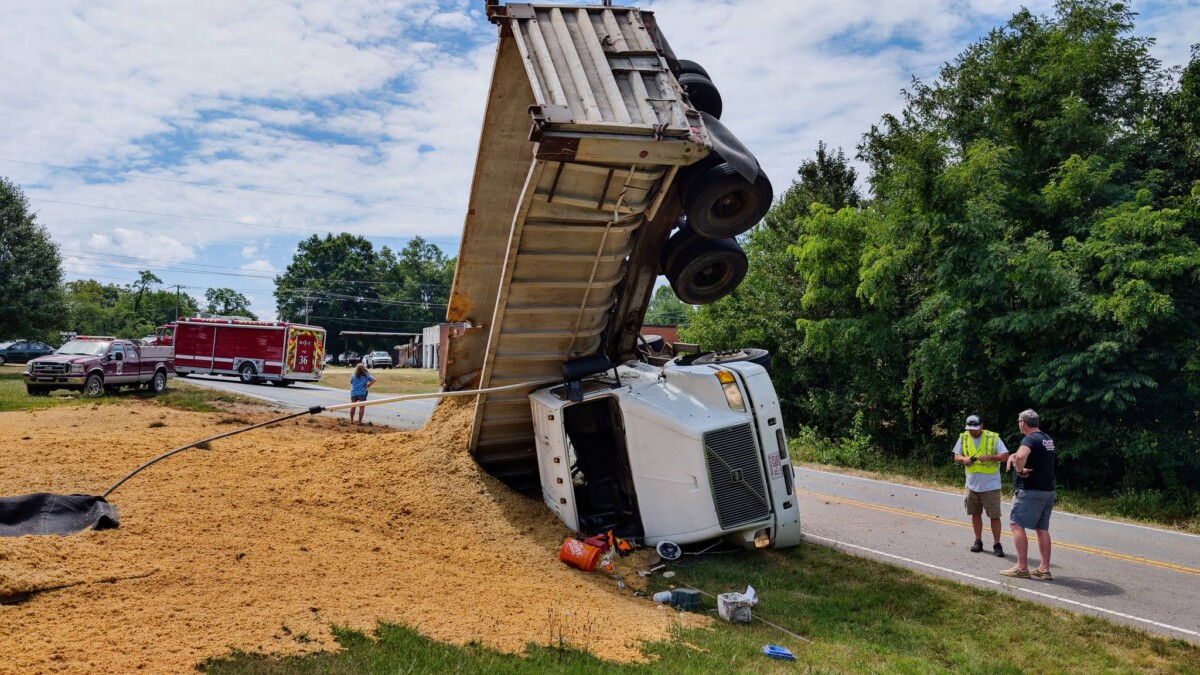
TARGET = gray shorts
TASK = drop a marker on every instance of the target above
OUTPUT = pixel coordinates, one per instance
(357, 398)
(1031, 509)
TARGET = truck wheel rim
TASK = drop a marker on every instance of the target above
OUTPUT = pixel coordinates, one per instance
(94, 387)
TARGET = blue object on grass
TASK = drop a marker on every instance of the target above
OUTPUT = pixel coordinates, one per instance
(777, 652)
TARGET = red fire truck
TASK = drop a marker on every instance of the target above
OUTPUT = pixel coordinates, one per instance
(255, 351)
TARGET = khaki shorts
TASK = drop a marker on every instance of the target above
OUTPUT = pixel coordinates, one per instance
(978, 502)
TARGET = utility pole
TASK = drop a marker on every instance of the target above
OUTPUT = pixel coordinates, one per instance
(177, 287)
(307, 298)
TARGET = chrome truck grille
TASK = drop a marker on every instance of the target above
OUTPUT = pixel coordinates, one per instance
(739, 488)
(49, 368)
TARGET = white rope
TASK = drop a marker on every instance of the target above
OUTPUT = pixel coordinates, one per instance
(441, 394)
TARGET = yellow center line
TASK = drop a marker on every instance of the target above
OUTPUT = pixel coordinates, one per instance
(1059, 543)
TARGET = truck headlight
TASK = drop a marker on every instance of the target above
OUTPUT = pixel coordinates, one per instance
(76, 367)
(733, 394)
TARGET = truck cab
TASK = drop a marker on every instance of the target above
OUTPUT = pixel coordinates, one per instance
(680, 453)
(96, 364)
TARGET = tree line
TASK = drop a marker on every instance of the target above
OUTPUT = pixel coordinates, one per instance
(1030, 237)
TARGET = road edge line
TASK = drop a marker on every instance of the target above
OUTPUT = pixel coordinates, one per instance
(834, 543)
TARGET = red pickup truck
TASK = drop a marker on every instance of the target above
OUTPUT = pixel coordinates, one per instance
(96, 364)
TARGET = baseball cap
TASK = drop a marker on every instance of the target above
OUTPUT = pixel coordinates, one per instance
(973, 422)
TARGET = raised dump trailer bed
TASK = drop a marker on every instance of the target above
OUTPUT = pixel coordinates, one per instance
(585, 130)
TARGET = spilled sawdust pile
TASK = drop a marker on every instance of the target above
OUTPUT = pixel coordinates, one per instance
(274, 535)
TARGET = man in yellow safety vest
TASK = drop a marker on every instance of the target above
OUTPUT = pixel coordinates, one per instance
(982, 453)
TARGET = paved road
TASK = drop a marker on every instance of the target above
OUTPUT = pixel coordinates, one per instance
(1142, 576)
(404, 415)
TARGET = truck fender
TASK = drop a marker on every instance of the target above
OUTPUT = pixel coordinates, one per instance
(726, 144)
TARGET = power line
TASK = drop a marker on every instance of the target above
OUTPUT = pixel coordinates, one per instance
(233, 187)
(222, 220)
(87, 255)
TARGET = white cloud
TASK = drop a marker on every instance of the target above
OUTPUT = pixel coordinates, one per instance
(373, 108)
(260, 266)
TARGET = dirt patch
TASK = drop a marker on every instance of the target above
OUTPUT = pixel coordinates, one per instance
(264, 541)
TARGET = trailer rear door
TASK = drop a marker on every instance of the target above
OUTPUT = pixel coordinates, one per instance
(305, 350)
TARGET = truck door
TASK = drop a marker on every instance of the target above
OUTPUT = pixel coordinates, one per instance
(114, 365)
(134, 368)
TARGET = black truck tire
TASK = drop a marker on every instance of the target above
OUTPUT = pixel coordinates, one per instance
(33, 390)
(703, 271)
(702, 93)
(686, 66)
(248, 374)
(158, 383)
(720, 203)
(93, 386)
(760, 356)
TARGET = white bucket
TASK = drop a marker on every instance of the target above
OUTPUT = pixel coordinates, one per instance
(734, 607)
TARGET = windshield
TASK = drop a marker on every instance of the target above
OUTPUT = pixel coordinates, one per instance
(83, 348)
(6, 344)
(375, 354)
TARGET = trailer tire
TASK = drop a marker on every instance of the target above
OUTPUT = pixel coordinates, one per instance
(248, 374)
(702, 93)
(703, 271)
(761, 357)
(158, 383)
(93, 386)
(686, 66)
(720, 203)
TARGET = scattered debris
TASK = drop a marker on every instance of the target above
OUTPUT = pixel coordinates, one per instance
(735, 607)
(777, 652)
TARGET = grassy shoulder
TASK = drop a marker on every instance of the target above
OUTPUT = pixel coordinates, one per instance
(860, 615)
(179, 395)
(394, 381)
(855, 455)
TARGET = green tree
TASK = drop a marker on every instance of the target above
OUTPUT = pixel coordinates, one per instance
(31, 299)
(342, 283)
(228, 302)
(667, 310)
(763, 310)
(1032, 240)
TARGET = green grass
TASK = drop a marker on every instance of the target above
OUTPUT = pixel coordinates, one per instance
(394, 381)
(178, 395)
(862, 616)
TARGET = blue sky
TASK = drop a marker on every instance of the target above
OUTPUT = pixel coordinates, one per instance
(202, 141)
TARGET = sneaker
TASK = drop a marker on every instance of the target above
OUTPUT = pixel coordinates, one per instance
(1041, 576)
(998, 551)
(977, 546)
(1015, 572)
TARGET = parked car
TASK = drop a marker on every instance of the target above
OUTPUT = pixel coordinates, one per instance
(20, 351)
(378, 360)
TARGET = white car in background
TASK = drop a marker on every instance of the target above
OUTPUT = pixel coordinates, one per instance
(378, 360)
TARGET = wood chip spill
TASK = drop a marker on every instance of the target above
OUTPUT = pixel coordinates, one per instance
(274, 535)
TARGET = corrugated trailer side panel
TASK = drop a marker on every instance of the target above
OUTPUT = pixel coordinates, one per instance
(554, 213)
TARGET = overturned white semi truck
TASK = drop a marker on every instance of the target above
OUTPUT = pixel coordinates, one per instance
(597, 143)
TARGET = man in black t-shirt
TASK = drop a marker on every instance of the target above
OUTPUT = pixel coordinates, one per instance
(1033, 500)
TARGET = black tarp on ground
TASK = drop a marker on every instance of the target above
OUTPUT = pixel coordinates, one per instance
(44, 513)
